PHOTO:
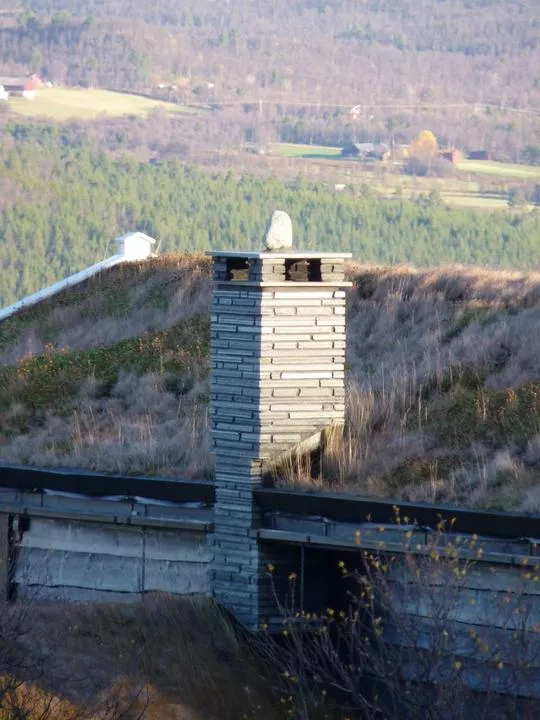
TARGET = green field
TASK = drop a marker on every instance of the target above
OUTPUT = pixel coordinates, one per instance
(489, 167)
(479, 202)
(83, 103)
(464, 189)
(305, 151)
(486, 167)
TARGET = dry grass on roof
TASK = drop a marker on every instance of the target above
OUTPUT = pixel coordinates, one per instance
(454, 283)
(124, 301)
(442, 374)
(443, 390)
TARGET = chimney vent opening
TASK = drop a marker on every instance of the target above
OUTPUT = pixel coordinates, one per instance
(303, 270)
(237, 269)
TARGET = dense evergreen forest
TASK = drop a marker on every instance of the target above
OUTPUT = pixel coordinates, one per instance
(468, 69)
(63, 200)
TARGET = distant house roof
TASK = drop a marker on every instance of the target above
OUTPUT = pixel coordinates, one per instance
(13, 81)
(365, 149)
(20, 83)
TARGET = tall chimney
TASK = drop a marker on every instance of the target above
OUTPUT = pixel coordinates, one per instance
(277, 378)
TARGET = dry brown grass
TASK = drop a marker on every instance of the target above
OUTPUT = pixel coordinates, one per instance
(140, 428)
(159, 659)
(430, 357)
(443, 371)
(125, 301)
(144, 423)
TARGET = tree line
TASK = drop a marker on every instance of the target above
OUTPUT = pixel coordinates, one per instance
(63, 201)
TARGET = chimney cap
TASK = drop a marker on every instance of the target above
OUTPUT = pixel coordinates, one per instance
(292, 254)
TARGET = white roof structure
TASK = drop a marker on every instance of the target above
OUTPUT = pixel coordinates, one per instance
(135, 246)
(131, 247)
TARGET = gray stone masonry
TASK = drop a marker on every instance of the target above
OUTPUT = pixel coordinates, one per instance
(277, 355)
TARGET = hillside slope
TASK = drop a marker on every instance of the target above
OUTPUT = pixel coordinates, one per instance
(113, 375)
(409, 47)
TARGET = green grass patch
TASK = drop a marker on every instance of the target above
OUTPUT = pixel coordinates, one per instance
(14, 326)
(465, 421)
(480, 202)
(458, 190)
(53, 380)
(115, 304)
(111, 301)
(468, 314)
(417, 471)
(470, 414)
(85, 104)
(489, 167)
(305, 151)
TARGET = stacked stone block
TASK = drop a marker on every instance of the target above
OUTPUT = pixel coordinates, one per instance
(278, 353)
(260, 271)
(332, 269)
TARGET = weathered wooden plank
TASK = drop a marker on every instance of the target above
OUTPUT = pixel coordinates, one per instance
(492, 660)
(480, 576)
(71, 595)
(176, 546)
(46, 570)
(350, 508)
(477, 607)
(176, 577)
(313, 526)
(114, 510)
(4, 557)
(96, 484)
(466, 640)
(78, 569)
(118, 540)
(105, 558)
(393, 537)
(503, 680)
(79, 537)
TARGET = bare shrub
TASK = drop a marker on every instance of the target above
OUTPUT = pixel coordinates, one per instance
(416, 641)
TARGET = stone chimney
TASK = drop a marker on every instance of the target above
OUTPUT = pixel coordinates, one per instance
(277, 378)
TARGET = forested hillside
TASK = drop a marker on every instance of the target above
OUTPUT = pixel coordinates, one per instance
(63, 200)
(469, 68)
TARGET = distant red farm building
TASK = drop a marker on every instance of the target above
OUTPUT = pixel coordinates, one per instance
(20, 86)
(453, 156)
